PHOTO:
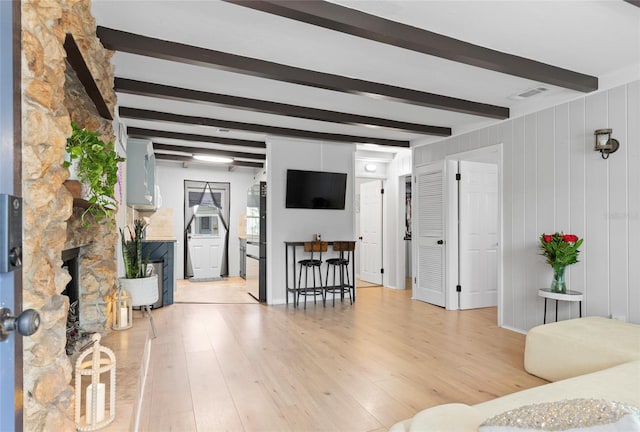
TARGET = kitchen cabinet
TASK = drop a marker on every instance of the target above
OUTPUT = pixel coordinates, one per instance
(141, 175)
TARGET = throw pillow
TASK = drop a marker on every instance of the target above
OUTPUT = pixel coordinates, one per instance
(573, 415)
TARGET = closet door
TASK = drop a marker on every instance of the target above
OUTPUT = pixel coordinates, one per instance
(428, 235)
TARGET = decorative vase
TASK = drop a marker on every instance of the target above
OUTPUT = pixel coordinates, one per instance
(558, 283)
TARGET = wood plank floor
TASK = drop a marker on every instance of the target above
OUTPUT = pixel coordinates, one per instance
(251, 367)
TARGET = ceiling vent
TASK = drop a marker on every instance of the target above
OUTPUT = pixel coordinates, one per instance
(529, 93)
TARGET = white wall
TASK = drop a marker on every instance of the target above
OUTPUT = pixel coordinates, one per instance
(299, 224)
(171, 177)
(554, 181)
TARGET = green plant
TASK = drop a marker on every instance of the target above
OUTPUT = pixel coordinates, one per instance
(134, 265)
(97, 169)
(560, 249)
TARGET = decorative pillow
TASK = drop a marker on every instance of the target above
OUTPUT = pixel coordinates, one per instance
(567, 415)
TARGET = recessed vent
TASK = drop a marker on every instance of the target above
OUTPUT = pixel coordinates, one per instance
(529, 93)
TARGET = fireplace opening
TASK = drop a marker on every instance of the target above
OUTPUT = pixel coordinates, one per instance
(75, 333)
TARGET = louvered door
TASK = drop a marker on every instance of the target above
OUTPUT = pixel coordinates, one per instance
(429, 234)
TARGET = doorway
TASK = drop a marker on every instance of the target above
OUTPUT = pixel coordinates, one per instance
(206, 231)
(405, 188)
(371, 223)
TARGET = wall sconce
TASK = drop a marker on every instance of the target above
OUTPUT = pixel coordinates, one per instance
(370, 167)
(604, 143)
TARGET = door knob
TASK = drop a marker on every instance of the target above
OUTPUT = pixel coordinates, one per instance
(440, 242)
(27, 323)
(360, 238)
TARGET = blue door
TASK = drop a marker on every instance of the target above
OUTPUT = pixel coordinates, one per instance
(10, 282)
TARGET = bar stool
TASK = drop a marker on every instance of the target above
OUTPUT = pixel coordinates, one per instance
(346, 249)
(316, 248)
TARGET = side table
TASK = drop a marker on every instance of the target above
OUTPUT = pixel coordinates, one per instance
(569, 296)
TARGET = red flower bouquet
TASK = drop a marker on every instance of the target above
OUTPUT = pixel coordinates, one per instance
(560, 250)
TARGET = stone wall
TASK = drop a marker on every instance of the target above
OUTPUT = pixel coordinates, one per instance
(48, 108)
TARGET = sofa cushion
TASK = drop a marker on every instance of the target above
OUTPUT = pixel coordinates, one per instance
(567, 415)
(454, 417)
(575, 347)
(619, 383)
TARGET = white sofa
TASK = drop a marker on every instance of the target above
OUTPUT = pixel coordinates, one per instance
(556, 351)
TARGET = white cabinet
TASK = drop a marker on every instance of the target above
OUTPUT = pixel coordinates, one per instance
(141, 175)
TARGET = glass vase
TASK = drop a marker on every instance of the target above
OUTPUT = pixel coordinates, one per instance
(558, 283)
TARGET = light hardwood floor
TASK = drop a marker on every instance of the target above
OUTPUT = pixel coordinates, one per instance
(251, 367)
(229, 290)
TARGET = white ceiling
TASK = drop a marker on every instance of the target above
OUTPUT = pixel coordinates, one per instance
(599, 38)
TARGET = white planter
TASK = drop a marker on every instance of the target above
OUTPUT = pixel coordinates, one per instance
(143, 291)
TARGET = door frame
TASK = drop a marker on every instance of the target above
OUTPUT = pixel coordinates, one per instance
(491, 154)
(11, 384)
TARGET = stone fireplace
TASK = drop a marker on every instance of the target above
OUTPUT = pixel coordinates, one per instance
(52, 97)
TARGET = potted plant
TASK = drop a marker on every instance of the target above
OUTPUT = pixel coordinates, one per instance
(141, 287)
(97, 169)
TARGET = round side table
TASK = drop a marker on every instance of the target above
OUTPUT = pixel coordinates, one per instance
(569, 296)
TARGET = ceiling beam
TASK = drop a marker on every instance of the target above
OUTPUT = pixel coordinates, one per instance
(356, 23)
(208, 151)
(181, 158)
(141, 132)
(141, 88)
(166, 50)
(141, 114)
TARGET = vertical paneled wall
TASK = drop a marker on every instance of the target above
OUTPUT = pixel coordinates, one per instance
(554, 181)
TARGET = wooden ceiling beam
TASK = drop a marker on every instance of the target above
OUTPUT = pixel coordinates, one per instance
(187, 159)
(153, 133)
(167, 50)
(142, 114)
(208, 151)
(142, 88)
(356, 23)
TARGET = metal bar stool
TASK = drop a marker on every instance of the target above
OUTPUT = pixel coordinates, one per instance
(316, 248)
(346, 249)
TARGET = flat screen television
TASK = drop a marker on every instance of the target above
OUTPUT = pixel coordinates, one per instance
(316, 190)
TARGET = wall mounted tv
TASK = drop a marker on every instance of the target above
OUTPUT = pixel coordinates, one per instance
(316, 190)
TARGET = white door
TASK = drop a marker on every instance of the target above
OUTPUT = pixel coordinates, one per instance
(205, 245)
(478, 224)
(371, 232)
(428, 234)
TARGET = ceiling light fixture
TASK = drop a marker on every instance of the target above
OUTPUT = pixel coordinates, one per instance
(604, 143)
(213, 159)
